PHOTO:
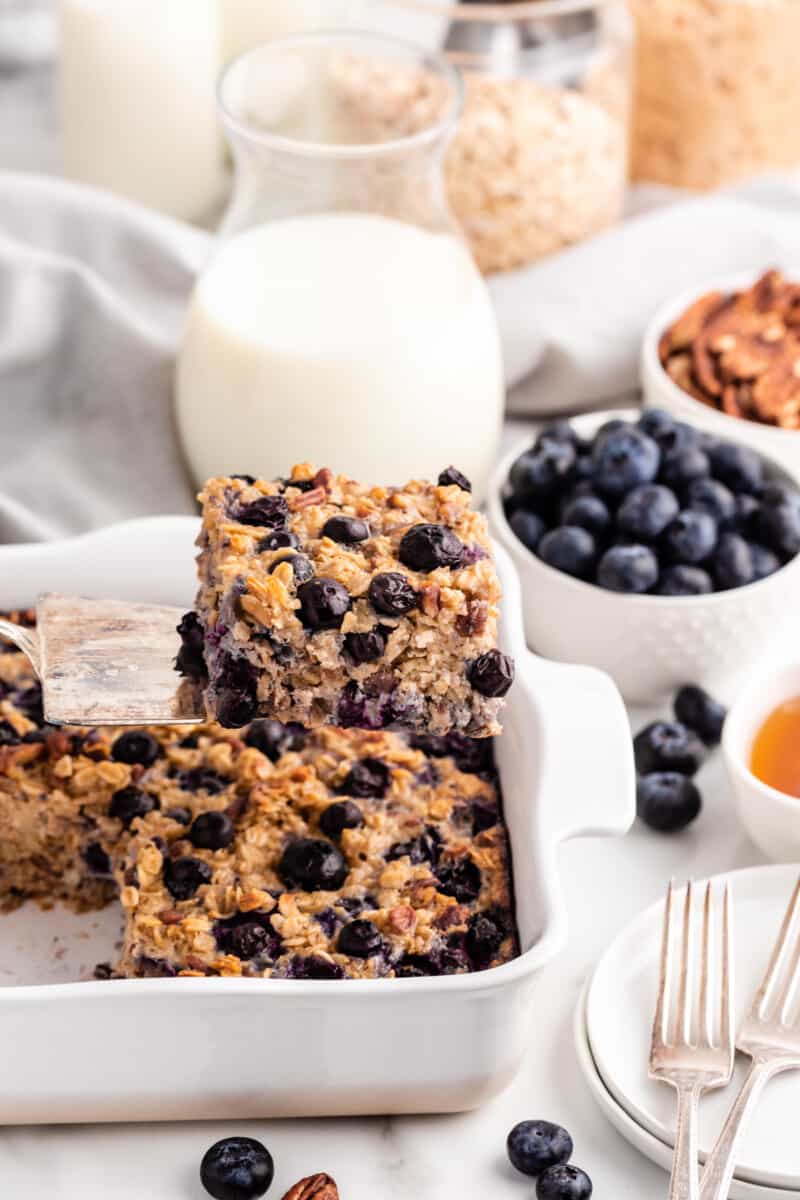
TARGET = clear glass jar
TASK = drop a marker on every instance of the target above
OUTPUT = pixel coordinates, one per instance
(717, 90)
(541, 156)
(341, 319)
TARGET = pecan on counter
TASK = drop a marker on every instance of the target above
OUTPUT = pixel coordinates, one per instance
(314, 1187)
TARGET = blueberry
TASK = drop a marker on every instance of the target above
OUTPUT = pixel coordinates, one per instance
(587, 512)
(310, 865)
(8, 734)
(415, 966)
(212, 831)
(700, 712)
(528, 527)
(691, 537)
(279, 539)
(745, 514)
(628, 569)
(424, 849)
(533, 1146)
(544, 471)
(563, 1182)
(131, 802)
(451, 476)
(739, 467)
(427, 547)
(485, 936)
(367, 647)
(569, 549)
(97, 860)
(765, 563)
(268, 512)
(680, 467)
(775, 493)
(732, 562)
(346, 530)
(392, 594)
(615, 425)
(237, 1168)
(135, 747)
(558, 431)
(624, 459)
(668, 746)
(202, 779)
(274, 739)
(181, 816)
(646, 511)
(778, 527)
(183, 876)
(344, 814)
(667, 801)
(248, 479)
(681, 580)
(314, 966)
(301, 567)
(712, 497)
(236, 681)
(367, 778)
(355, 709)
(247, 936)
(491, 674)
(473, 756)
(360, 939)
(190, 661)
(658, 425)
(323, 603)
(460, 879)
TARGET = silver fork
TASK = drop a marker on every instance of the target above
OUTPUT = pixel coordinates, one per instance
(692, 1044)
(770, 1035)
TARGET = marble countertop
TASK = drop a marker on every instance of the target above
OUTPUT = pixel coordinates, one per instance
(427, 1158)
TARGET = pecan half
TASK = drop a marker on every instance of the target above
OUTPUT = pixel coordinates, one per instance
(314, 1187)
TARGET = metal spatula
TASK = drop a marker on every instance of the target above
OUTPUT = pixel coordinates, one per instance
(106, 662)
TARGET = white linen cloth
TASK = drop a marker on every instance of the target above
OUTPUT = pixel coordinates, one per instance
(93, 291)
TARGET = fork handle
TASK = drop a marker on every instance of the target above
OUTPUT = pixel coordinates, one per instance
(721, 1164)
(684, 1184)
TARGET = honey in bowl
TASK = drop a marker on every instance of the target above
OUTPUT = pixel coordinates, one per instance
(775, 758)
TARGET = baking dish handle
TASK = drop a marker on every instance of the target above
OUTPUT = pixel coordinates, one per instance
(588, 767)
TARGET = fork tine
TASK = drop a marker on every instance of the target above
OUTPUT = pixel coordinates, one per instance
(776, 961)
(726, 1018)
(706, 1021)
(683, 1015)
(665, 970)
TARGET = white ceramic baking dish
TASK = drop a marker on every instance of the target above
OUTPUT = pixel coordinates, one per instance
(177, 1049)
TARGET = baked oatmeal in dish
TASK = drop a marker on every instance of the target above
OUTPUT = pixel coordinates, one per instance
(269, 851)
(328, 602)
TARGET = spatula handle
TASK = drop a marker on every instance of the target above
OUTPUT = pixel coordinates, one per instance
(25, 640)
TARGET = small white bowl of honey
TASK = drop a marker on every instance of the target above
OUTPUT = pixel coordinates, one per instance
(761, 745)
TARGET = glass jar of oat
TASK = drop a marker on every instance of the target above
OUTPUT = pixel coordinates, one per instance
(540, 159)
(718, 90)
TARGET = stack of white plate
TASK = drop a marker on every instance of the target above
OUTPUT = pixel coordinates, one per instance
(612, 1033)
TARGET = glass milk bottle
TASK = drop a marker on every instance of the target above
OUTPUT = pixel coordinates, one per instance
(138, 113)
(341, 319)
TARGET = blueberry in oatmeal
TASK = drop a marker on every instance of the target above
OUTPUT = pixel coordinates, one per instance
(360, 939)
(392, 594)
(311, 865)
(237, 1168)
(299, 565)
(279, 539)
(345, 529)
(425, 548)
(323, 603)
(344, 814)
(135, 746)
(212, 831)
(129, 803)
(451, 477)
(183, 876)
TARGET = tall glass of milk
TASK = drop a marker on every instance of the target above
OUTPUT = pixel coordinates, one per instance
(341, 318)
(138, 110)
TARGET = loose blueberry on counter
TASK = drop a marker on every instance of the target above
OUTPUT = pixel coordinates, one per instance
(624, 459)
(668, 746)
(528, 527)
(667, 801)
(301, 567)
(712, 497)
(632, 569)
(564, 1182)
(681, 580)
(360, 939)
(367, 647)
(268, 512)
(587, 512)
(312, 865)
(491, 674)
(183, 876)
(346, 530)
(534, 1146)
(344, 814)
(131, 802)
(237, 1168)
(765, 563)
(732, 562)
(699, 711)
(391, 593)
(323, 603)
(543, 472)
(739, 467)
(691, 537)
(135, 747)
(367, 778)
(450, 476)
(274, 739)
(212, 831)
(426, 547)
(646, 511)
(681, 466)
(569, 549)
(778, 527)
(461, 880)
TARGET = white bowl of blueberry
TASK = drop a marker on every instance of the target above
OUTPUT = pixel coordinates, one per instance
(650, 549)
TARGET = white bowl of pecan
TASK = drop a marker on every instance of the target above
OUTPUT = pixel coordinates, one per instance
(728, 361)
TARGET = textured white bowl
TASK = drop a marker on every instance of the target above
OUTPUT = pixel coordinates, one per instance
(660, 391)
(650, 645)
(771, 818)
